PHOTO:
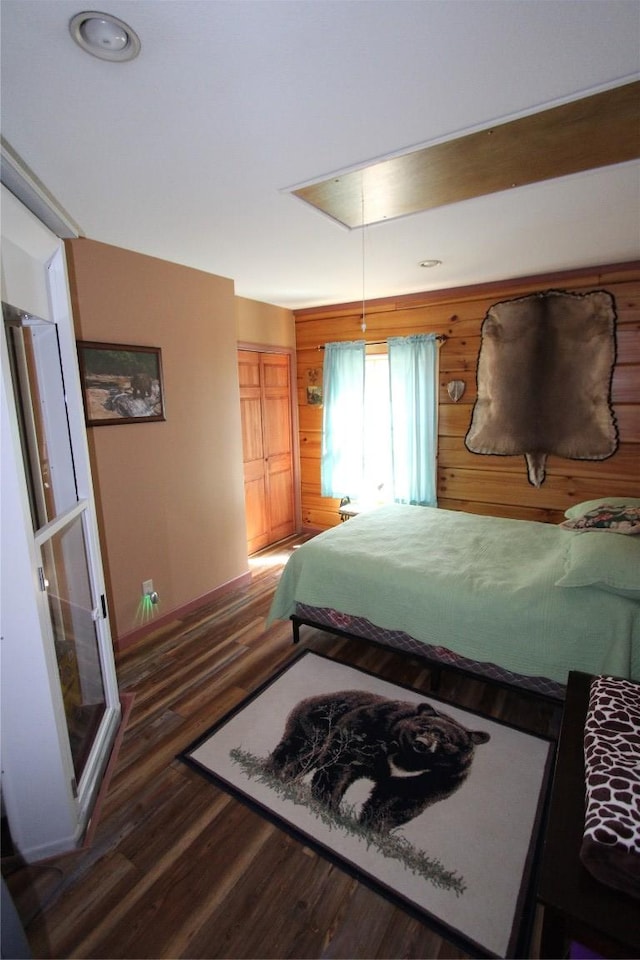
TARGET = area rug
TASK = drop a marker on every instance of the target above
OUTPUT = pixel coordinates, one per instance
(436, 807)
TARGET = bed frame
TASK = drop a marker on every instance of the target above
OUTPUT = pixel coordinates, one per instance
(438, 658)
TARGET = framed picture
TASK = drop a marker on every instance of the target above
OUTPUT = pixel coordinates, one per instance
(314, 387)
(120, 383)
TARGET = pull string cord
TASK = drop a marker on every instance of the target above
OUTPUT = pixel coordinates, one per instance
(363, 325)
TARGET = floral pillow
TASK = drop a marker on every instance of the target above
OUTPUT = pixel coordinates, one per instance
(608, 517)
(577, 509)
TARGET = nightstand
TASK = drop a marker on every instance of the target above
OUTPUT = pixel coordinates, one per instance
(577, 907)
(348, 508)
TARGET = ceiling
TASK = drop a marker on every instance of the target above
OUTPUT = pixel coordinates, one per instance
(190, 152)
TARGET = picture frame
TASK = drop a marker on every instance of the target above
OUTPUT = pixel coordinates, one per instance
(121, 383)
(314, 387)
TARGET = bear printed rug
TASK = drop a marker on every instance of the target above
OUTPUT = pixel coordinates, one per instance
(436, 807)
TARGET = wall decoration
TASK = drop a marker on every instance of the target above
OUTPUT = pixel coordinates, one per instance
(120, 383)
(314, 387)
(455, 389)
(544, 380)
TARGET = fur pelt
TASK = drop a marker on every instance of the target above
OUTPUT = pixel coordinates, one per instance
(544, 380)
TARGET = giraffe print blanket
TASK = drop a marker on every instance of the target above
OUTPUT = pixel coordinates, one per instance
(611, 844)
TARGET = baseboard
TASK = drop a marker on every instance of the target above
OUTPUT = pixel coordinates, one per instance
(307, 528)
(134, 636)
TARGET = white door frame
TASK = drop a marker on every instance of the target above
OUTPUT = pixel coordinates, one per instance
(47, 812)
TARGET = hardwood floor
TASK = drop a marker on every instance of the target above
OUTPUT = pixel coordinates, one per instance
(178, 868)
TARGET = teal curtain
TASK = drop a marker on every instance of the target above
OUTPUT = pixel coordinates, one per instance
(413, 379)
(343, 419)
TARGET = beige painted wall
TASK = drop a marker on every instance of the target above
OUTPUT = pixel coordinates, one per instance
(169, 494)
(263, 324)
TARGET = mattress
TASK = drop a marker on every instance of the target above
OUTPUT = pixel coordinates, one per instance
(486, 588)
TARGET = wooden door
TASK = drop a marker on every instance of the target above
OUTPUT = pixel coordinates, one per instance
(267, 442)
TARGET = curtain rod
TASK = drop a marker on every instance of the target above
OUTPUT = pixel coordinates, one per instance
(440, 337)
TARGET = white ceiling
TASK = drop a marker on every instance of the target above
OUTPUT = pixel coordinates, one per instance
(187, 152)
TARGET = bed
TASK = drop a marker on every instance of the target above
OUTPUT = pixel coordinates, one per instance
(516, 601)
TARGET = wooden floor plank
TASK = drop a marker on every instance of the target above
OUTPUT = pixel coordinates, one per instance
(79, 913)
(128, 914)
(161, 923)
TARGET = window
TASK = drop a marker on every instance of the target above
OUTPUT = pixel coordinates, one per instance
(377, 473)
(362, 418)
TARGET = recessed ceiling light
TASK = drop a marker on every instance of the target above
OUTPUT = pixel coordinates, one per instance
(104, 36)
(430, 263)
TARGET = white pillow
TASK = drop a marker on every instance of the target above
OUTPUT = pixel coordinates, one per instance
(610, 563)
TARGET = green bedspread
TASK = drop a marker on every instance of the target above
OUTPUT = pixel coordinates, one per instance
(481, 586)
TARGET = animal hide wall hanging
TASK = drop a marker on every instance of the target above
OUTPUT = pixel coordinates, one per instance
(544, 380)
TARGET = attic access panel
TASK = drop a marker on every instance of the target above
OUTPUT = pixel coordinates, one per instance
(596, 131)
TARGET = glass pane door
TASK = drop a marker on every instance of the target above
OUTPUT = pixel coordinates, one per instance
(66, 577)
(61, 533)
(38, 386)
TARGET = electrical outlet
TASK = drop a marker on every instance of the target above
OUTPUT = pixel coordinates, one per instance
(147, 587)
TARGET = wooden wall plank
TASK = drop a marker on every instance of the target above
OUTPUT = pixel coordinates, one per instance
(628, 420)
(486, 484)
(586, 278)
(623, 465)
(509, 511)
(491, 488)
(628, 344)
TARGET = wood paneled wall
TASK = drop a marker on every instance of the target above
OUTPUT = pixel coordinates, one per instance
(492, 485)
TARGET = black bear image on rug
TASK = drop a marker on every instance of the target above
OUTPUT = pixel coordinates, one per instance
(435, 807)
(413, 754)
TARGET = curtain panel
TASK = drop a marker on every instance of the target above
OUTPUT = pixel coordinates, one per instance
(413, 381)
(342, 465)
